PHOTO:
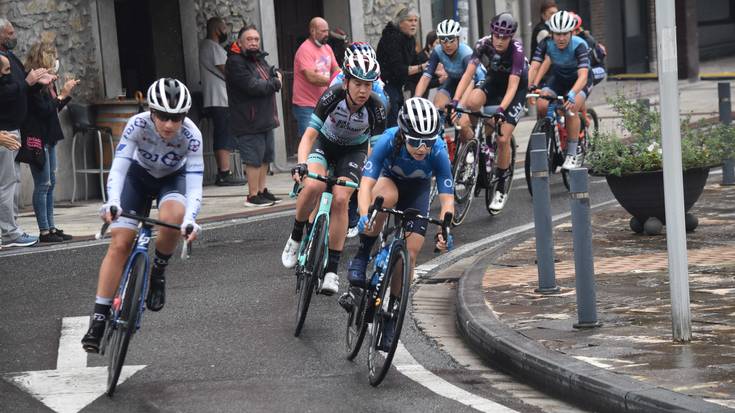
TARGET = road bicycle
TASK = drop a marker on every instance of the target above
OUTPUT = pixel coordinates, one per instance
(376, 304)
(314, 247)
(553, 125)
(128, 304)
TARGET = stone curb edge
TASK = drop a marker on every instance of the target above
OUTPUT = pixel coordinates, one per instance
(555, 371)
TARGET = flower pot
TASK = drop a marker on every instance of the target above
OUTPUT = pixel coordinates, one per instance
(642, 193)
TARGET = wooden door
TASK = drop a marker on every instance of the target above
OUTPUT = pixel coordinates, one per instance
(292, 28)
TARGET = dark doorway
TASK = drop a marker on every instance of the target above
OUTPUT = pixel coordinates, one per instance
(148, 51)
(635, 33)
(292, 21)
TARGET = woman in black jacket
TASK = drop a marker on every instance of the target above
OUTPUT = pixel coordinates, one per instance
(42, 122)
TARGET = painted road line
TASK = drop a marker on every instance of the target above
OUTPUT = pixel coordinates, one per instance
(409, 367)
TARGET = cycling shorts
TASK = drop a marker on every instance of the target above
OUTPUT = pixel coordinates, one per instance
(345, 160)
(413, 193)
(449, 87)
(561, 86)
(494, 94)
(140, 188)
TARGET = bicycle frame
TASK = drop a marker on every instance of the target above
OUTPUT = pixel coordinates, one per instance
(142, 241)
(325, 208)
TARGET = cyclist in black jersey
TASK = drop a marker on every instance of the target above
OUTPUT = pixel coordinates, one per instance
(338, 135)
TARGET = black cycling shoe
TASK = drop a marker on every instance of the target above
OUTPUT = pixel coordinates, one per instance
(348, 299)
(156, 293)
(91, 340)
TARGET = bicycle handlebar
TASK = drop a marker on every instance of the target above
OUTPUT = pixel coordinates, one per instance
(329, 180)
(377, 206)
(560, 99)
(498, 119)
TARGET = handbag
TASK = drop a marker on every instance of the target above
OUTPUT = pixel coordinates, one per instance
(31, 152)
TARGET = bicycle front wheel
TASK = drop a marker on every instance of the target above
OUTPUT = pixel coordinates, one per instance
(127, 318)
(307, 276)
(390, 309)
(490, 192)
(465, 179)
(542, 125)
(356, 324)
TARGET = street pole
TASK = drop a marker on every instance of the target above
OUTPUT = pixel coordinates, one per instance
(673, 180)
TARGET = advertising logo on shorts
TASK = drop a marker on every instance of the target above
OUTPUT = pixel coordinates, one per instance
(368, 166)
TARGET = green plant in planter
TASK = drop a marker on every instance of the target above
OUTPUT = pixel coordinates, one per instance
(639, 147)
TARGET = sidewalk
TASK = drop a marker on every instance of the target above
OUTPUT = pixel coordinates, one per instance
(630, 363)
(81, 219)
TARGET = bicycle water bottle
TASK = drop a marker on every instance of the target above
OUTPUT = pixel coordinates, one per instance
(487, 152)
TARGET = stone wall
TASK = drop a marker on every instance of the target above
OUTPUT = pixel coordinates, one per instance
(377, 13)
(236, 13)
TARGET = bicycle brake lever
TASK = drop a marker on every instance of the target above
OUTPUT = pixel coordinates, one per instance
(102, 232)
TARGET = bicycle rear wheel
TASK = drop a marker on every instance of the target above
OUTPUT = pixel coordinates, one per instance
(544, 126)
(124, 328)
(490, 192)
(311, 271)
(356, 324)
(389, 305)
(465, 179)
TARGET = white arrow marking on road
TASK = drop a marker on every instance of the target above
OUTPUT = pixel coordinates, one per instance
(73, 385)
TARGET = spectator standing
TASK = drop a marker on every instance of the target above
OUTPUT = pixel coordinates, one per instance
(398, 58)
(540, 30)
(43, 122)
(251, 86)
(313, 67)
(338, 42)
(14, 87)
(212, 58)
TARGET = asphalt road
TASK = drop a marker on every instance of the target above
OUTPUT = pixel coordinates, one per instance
(225, 340)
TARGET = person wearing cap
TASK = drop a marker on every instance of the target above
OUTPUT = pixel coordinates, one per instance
(338, 42)
(397, 56)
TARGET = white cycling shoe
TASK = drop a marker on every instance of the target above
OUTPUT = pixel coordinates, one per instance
(352, 232)
(498, 201)
(330, 284)
(290, 253)
(571, 162)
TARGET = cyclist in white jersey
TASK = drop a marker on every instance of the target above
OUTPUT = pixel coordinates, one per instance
(159, 156)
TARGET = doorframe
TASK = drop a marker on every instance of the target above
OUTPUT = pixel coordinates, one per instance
(107, 53)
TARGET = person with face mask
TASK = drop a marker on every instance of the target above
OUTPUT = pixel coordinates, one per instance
(313, 67)
(212, 58)
(14, 89)
(251, 86)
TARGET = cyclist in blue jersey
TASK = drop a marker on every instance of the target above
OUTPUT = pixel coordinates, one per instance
(159, 156)
(365, 48)
(570, 64)
(503, 92)
(400, 169)
(338, 135)
(454, 56)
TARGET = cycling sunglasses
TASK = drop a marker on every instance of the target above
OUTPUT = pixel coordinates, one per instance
(173, 117)
(447, 39)
(417, 142)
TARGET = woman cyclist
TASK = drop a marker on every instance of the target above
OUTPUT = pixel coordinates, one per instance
(159, 156)
(399, 169)
(504, 89)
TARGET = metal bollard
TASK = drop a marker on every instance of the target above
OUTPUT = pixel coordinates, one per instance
(542, 223)
(584, 266)
(538, 141)
(723, 97)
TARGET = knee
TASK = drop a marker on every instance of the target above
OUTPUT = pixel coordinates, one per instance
(119, 248)
(340, 201)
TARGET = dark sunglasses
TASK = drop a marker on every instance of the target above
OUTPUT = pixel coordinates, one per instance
(417, 142)
(447, 39)
(173, 117)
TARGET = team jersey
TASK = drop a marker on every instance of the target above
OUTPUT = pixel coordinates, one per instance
(403, 166)
(566, 62)
(378, 85)
(454, 65)
(140, 143)
(333, 120)
(500, 66)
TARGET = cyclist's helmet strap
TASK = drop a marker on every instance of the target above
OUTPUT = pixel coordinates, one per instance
(448, 28)
(562, 22)
(419, 118)
(169, 96)
(503, 25)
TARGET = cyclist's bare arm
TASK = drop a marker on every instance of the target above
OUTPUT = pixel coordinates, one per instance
(305, 145)
(581, 79)
(510, 92)
(537, 71)
(467, 78)
(365, 194)
(422, 85)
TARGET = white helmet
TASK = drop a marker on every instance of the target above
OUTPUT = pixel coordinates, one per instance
(359, 47)
(419, 118)
(562, 22)
(169, 96)
(448, 28)
(361, 66)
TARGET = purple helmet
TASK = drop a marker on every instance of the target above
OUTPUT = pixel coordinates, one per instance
(503, 25)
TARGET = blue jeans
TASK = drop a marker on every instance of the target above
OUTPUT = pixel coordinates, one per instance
(44, 180)
(303, 116)
(395, 95)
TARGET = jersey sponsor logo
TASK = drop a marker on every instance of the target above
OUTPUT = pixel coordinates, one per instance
(147, 155)
(194, 145)
(187, 133)
(121, 146)
(140, 122)
(448, 183)
(129, 130)
(171, 159)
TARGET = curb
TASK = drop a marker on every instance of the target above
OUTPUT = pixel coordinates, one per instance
(554, 371)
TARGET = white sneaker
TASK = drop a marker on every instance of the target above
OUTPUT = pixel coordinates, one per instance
(290, 253)
(330, 284)
(570, 162)
(470, 159)
(352, 232)
(498, 201)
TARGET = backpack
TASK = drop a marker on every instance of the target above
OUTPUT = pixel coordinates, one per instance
(597, 56)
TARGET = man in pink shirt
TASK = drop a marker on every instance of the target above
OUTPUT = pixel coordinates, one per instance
(313, 67)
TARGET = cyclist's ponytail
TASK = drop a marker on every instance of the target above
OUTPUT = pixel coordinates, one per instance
(398, 141)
